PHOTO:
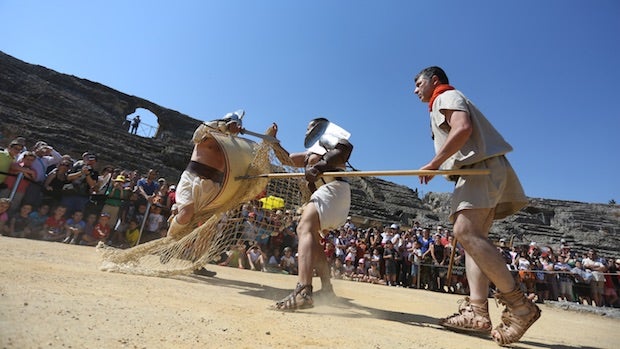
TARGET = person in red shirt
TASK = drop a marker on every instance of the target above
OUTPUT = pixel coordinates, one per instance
(53, 229)
(101, 231)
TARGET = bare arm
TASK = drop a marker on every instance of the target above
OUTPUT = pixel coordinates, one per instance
(298, 158)
(460, 131)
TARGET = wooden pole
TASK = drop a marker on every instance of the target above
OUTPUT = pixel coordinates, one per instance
(462, 172)
(451, 262)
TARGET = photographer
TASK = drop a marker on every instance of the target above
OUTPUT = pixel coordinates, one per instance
(83, 177)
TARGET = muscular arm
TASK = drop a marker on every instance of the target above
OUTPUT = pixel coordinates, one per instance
(298, 158)
(334, 158)
(460, 130)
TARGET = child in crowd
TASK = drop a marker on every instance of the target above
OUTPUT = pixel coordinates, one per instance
(287, 262)
(348, 269)
(91, 221)
(360, 271)
(155, 223)
(53, 229)
(100, 232)
(336, 269)
(132, 234)
(4, 216)
(37, 220)
(374, 274)
(273, 263)
(19, 226)
(74, 228)
(415, 257)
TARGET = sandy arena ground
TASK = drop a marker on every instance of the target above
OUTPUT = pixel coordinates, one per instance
(53, 295)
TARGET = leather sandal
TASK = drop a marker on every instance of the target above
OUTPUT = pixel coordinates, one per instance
(471, 317)
(513, 326)
(300, 298)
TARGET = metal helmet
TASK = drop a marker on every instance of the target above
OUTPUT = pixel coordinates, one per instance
(234, 117)
(323, 135)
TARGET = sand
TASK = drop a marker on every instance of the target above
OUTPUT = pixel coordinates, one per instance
(53, 295)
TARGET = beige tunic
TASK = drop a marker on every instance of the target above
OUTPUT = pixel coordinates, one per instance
(484, 149)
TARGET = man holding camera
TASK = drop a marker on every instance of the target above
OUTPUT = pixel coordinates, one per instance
(84, 178)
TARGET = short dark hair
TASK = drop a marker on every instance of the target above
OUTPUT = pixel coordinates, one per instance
(428, 73)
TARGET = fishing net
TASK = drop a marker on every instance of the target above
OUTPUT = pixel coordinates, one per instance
(213, 232)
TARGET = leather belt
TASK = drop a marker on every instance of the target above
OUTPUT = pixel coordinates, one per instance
(205, 171)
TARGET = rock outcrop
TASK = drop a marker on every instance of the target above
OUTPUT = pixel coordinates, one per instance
(77, 115)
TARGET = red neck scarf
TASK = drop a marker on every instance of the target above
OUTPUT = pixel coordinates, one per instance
(438, 90)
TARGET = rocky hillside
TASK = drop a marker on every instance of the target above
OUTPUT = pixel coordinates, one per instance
(76, 115)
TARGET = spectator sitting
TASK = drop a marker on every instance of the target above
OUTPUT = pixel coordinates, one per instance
(234, 256)
(100, 232)
(19, 225)
(337, 269)
(374, 275)
(288, 262)
(74, 227)
(53, 229)
(360, 271)
(273, 264)
(348, 269)
(256, 258)
(37, 220)
(132, 234)
(89, 227)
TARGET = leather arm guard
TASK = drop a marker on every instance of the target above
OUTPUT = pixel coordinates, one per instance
(330, 161)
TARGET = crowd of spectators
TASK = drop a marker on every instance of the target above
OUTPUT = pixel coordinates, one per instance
(48, 196)
(418, 257)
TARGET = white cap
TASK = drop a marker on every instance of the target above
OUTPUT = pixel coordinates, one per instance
(394, 226)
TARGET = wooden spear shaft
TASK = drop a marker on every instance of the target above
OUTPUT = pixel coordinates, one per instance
(462, 172)
(451, 262)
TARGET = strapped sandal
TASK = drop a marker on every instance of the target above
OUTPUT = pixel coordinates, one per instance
(513, 326)
(471, 318)
(300, 298)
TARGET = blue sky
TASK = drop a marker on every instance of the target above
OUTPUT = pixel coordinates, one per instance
(542, 71)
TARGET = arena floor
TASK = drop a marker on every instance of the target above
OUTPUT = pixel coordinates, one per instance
(53, 295)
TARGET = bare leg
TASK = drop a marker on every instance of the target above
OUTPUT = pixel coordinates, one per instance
(485, 263)
(307, 228)
(322, 268)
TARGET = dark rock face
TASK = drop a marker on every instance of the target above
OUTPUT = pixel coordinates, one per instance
(75, 115)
